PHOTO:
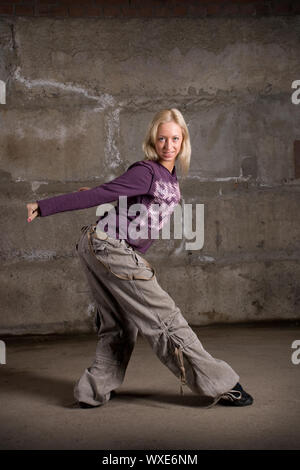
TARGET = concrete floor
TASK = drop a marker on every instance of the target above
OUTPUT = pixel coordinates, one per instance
(148, 412)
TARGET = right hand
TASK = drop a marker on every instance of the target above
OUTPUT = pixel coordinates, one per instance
(32, 211)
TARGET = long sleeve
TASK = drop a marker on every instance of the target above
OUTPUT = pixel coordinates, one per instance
(137, 180)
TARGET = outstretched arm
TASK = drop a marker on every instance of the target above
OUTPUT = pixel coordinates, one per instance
(137, 180)
(34, 210)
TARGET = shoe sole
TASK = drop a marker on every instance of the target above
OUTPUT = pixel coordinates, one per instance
(239, 403)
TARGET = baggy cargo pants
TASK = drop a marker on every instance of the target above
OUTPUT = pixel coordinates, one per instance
(129, 300)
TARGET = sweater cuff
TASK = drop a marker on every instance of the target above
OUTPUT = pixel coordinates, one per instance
(44, 207)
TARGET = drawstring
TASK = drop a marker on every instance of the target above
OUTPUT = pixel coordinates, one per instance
(179, 357)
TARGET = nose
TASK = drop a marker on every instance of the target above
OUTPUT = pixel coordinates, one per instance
(168, 144)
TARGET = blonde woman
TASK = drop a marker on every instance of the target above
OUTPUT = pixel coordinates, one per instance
(124, 285)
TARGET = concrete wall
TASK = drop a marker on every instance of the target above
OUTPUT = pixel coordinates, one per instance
(80, 94)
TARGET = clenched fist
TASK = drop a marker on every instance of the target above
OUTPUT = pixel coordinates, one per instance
(33, 211)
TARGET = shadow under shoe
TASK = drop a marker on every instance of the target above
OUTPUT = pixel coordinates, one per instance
(81, 404)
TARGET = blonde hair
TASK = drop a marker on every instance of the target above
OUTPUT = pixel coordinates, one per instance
(169, 115)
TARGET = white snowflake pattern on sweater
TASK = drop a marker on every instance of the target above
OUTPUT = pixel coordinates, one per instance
(166, 196)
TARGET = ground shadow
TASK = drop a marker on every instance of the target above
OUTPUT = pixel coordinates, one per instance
(25, 382)
(60, 391)
(160, 397)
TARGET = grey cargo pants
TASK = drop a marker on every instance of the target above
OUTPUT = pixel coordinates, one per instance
(129, 300)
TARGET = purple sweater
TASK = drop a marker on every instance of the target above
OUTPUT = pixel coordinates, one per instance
(145, 182)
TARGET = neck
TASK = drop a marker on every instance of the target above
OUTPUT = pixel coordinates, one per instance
(168, 165)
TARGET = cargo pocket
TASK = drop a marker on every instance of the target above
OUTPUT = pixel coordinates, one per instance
(179, 357)
(112, 255)
(119, 259)
(180, 336)
(144, 269)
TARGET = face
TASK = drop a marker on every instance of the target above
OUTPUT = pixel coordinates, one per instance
(168, 142)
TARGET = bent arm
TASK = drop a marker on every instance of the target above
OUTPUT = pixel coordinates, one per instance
(135, 181)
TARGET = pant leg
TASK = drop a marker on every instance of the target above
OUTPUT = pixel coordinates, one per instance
(131, 282)
(116, 339)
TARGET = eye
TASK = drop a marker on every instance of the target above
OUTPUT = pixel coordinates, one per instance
(160, 139)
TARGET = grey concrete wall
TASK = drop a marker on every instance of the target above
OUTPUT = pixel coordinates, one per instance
(80, 94)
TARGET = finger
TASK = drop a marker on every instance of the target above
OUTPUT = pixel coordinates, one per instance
(32, 213)
(30, 208)
(32, 217)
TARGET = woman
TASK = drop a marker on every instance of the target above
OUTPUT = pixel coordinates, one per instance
(124, 286)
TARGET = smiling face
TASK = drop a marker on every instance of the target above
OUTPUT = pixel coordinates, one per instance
(168, 143)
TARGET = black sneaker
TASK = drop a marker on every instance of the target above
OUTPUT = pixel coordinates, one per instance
(236, 397)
